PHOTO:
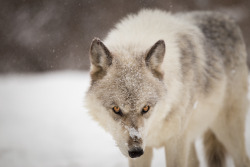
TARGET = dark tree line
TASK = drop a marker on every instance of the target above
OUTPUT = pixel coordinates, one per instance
(44, 35)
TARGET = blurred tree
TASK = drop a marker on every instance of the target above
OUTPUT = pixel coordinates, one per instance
(52, 35)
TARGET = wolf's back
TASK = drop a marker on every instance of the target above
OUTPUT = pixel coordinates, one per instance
(223, 37)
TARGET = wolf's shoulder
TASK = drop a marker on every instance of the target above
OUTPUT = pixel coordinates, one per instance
(215, 26)
(221, 32)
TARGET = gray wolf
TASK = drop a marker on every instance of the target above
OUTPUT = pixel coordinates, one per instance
(161, 80)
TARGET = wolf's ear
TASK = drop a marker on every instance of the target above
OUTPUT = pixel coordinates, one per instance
(100, 59)
(154, 58)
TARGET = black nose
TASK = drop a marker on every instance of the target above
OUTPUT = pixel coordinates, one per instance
(137, 152)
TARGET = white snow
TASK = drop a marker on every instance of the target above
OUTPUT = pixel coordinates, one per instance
(195, 104)
(43, 123)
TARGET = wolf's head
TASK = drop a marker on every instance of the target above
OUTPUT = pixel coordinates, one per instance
(124, 92)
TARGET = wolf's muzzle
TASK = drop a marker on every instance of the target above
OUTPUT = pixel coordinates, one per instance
(136, 152)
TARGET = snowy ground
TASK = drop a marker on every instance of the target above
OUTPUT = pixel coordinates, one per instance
(43, 123)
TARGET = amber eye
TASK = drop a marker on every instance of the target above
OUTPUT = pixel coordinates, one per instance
(117, 110)
(145, 109)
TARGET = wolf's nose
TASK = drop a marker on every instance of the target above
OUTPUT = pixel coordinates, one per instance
(137, 152)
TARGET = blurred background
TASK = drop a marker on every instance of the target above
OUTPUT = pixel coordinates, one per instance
(47, 35)
(44, 75)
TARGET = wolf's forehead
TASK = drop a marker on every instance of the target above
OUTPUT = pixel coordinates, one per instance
(134, 89)
(127, 85)
(131, 97)
(131, 77)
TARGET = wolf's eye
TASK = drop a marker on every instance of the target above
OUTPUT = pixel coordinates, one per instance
(117, 110)
(145, 109)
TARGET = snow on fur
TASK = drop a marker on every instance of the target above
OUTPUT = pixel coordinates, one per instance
(133, 132)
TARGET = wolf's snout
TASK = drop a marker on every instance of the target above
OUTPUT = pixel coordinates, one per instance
(137, 152)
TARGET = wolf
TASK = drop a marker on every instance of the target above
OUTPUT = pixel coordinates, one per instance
(162, 80)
